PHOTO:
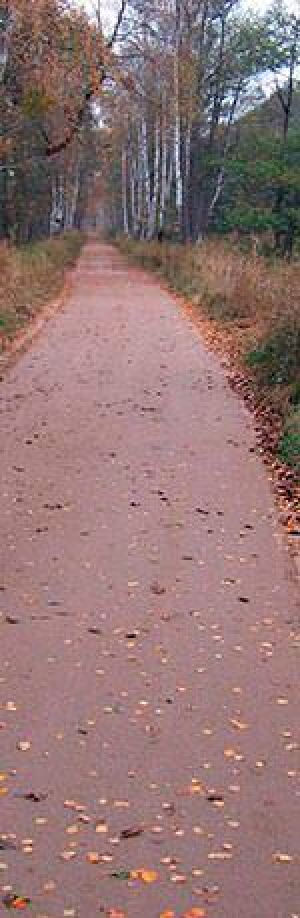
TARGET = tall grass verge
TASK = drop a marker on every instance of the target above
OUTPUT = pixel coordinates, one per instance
(30, 277)
(256, 303)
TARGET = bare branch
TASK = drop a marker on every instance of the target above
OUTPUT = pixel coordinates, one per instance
(118, 24)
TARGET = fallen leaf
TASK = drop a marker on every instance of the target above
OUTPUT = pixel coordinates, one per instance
(195, 913)
(68, 855)
(147, 876)
(239, 724)
(280, 858)
(157, 589)
(93, 857)
(216, 799)
(6, 844)
(132, 832)
(16, 902)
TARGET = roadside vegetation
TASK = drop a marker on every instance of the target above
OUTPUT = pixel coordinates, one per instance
(253, 305)
(30, 276)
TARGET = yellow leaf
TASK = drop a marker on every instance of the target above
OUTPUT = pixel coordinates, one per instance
(147, 876)
(197, 787)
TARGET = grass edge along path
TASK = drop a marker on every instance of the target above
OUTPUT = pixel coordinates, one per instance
(30, 278)
(248, 311)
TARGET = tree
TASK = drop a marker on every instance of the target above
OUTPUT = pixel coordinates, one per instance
(53, 62)
(283, 47)
(191, 65)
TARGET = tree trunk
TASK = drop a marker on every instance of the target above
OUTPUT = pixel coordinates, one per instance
(124, 193)
(154, 200)
(177, 142)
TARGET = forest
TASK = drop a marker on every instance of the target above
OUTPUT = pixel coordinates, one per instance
(188, 113)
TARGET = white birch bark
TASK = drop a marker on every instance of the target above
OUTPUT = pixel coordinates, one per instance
(154, 199)
(139, 182)
(177, 141)
(164, 162)
(5, 40)
(134, 197)
(73, 201)
(217, 192)
(146, 175)
(124, 193)
(187, 152)
(57, 205)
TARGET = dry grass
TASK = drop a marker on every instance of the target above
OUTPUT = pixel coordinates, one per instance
(230, 284)
(255, 302)
(30, 277)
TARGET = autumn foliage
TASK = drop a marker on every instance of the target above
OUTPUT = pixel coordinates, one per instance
(52, 64)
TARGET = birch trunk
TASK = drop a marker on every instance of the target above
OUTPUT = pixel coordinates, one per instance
(57, 206)
(177, 141)
(124, 193)
(146, 175)
(133, 197)
(154, 201)
(72, 208)
(187, 172)
(139, 181)
(165, 180)
(5, 41)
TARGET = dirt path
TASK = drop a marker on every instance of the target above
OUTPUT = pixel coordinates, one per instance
(148, 637)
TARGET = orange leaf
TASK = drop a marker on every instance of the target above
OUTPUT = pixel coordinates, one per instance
(17, 902)
(195, 913)
(93, 857)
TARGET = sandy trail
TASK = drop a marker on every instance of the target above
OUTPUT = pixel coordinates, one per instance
(148, 637)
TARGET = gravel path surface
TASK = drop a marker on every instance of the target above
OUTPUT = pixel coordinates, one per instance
(148, 624)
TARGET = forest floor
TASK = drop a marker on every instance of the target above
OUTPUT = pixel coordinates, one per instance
(149, 679)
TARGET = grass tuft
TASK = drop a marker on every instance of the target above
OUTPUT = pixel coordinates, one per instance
(30, 276)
